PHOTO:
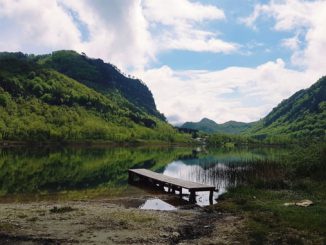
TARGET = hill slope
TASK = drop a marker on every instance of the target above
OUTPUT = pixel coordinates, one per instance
(209, 126)
(102, 77)
(40, 103)
(303, 115)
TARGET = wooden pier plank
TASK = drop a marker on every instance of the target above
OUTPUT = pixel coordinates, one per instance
(191, 186)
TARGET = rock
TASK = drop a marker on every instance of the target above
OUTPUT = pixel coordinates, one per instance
(164, 234)
(289, 204)
(304, 203)
(175, 234)
(175, 237)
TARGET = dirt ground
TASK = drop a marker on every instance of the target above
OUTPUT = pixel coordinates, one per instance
(106, 221)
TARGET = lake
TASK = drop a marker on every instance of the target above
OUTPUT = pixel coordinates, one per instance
(32, 174)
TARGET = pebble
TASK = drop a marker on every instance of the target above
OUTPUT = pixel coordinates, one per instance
(175, 234)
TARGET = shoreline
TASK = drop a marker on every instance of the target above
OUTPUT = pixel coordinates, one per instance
(92, 143)
(106, 221)
(104, 143)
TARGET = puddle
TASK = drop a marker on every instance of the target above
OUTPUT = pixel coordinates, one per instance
(157, 204)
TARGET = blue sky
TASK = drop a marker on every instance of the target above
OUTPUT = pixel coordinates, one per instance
(221, 59)
(257, 45)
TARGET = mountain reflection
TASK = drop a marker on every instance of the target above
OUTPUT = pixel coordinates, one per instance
(105, 170)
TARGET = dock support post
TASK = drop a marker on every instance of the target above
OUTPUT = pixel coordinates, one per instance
(180, 192)
(130, 177)
(160, 186)
(192, 197)
(211, 197)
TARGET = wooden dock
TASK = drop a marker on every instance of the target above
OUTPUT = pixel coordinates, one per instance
(173, 184)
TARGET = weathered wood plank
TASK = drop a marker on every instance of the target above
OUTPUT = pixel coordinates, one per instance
(191, 186)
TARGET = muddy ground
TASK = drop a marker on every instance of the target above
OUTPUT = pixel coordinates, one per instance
(113, 221)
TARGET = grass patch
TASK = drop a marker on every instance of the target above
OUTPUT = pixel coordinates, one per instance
(261, 202)
(268, 218)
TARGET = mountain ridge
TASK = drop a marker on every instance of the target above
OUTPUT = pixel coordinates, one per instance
(102, 77)
(210, 126)
(38, 102)
(302, 115)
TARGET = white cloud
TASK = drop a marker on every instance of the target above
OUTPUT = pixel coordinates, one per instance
(118, 31)
(289, 13)
(179, 24)
(306, 17)
(292, 43)
(246, 94)
(35, 26)
(192, 41)
(171, 12)
(235, 93)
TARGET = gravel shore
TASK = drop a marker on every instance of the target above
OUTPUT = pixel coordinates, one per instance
(108, 221)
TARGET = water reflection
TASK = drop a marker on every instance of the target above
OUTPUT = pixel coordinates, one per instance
(68, 170)
(157, 204)
(225, 172)
(195, 173)
(89, 172)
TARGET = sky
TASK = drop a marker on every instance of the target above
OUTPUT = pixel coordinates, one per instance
(220, 59)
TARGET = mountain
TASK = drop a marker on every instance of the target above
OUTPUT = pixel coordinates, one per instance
(205, 125)
(303, 115)
(102, 77)
(209, 126)
(68, 96)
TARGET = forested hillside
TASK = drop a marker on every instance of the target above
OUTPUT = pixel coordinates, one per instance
(103, 77)
(209, 126)
(37, 102)
(303, 115)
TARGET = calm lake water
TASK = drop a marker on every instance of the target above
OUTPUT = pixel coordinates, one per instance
(85, 173)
